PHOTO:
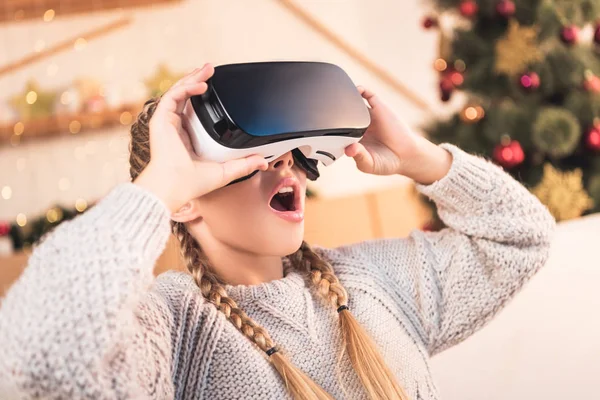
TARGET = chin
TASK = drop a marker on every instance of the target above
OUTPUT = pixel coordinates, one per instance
(284, 242)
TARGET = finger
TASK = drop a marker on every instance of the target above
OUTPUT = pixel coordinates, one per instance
(238, 168)
(364, 159)
(190, 76)
(174, 99)
(174, 102)
(203, 74)
(368, 95)
(220, 174)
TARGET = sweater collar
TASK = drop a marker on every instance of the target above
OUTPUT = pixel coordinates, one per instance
(292, 282)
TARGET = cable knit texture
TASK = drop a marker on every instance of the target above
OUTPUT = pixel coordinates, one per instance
(87, 320)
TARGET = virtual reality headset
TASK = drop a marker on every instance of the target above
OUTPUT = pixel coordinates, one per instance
(312, 109)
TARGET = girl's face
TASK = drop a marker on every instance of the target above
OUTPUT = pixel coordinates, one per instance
(263, 215)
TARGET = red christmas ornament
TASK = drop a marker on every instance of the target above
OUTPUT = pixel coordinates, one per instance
(509, 155)
(530, 81)
(4, 228)
(569, 34)
(592, 84)
(597, 34)
(456, 78)
(430, 22)
(592, 139)
(505, 8)
(468, 8)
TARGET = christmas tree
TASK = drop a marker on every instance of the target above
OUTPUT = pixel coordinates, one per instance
(529, 72)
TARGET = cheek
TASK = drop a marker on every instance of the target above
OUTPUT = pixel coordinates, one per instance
(232, 208)
(240, 217)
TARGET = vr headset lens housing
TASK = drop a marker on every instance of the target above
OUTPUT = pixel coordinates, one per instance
(312, 109)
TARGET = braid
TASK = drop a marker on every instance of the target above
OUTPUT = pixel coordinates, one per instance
(376, 377)
(212, 289)
(139, 146)
(321, 275)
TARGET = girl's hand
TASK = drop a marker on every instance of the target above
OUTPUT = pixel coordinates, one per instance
(389, 147)
(175, 174)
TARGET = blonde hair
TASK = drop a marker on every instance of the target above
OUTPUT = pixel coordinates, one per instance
(376, 377)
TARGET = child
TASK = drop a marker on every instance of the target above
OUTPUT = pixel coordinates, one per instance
(262, 315)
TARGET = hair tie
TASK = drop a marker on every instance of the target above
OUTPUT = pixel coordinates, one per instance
(271, 350)
(340, 308)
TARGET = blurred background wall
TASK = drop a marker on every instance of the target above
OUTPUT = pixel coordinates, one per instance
(182, 36)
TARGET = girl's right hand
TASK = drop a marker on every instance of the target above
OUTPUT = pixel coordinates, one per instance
(175, 174)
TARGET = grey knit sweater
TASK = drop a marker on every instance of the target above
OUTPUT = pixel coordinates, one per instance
(88, 320)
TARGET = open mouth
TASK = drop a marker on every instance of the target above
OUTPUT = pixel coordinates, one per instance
(284, 200)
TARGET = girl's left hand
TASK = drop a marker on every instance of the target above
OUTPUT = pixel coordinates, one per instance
(390, 147)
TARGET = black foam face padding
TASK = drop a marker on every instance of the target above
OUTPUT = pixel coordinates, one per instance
(308, 165)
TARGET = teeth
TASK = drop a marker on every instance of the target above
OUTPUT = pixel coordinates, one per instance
(287, 189)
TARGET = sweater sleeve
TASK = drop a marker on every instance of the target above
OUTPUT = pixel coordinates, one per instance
(451, 283)
(81, 322)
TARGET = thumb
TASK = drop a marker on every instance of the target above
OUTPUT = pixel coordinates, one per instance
(364, 159)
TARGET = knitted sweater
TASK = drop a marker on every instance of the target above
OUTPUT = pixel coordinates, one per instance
(87, 319)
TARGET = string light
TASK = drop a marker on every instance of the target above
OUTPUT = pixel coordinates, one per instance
(125, 118)
(49, 15)
(440, 65)
(471, 113)
(480, 112)
(81, 205)
(6, 192)
(31, 97)
(80, 44)
(19, 128)
(64, 184)
(460, 65)
(21, 220)
(74, 126)
(54, 214)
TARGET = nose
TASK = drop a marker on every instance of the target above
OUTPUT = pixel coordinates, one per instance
(285, 161)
